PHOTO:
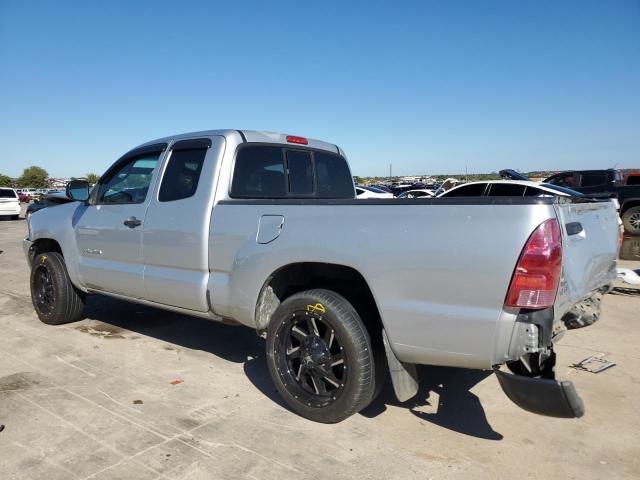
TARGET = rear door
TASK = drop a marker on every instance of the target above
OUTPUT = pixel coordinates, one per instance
(589, 251)
(109, 230)
(176, 228)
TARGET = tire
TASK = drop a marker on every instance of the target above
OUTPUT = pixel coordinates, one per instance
(55, 299)
(320, 356)
(631, 220)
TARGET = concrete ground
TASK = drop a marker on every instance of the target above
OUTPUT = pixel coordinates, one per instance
(95, 399)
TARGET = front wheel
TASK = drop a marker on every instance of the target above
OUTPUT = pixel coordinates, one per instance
(631, 220)
(54, 297)
(320, 356)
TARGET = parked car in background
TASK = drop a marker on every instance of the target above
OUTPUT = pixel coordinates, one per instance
(9, 203)
(24, 197)
(509, 188)
(344, 291)
(608, 183)
(371, 192)
(422, 192)
(384, 188)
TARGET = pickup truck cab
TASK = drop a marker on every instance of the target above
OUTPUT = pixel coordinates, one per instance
(264, 230)
(609, 182)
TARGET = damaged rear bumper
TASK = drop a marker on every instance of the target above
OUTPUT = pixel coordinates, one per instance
(543, 396)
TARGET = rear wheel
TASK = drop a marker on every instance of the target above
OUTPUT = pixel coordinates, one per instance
(54, 297)
(320, 356)
(631, 220)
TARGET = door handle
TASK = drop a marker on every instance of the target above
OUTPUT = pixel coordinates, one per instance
(132, 222)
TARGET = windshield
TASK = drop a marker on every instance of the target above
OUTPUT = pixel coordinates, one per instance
(7, 193)
(565, 190)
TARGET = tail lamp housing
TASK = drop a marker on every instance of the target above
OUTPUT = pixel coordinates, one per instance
(535, 281)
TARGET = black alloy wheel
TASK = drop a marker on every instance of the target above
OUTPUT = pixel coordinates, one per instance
(43, 290)
(311, 360)
(320, 356)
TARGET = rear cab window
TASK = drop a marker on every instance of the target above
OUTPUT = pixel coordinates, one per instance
(274, 171)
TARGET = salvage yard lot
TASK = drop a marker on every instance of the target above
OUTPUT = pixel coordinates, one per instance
(134, 392)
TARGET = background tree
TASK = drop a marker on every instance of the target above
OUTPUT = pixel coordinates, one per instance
(5, 181)
(92, 178)
(34, 177)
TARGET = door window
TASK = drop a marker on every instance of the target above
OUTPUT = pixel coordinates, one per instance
(506, 190)
(182, 174)
(593, 179)
(563, 180)
(129, 182)
(473, 190)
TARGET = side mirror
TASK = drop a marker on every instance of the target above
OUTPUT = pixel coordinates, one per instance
(78, 190)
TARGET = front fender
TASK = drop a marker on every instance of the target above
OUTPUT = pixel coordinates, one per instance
(56, 223)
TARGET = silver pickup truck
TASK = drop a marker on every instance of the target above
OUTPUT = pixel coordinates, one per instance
(264, 230)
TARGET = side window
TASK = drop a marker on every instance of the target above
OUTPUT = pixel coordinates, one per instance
(259, 173)
(474, 190)
(633, 180)
(332, 176)
(130, 182)
(593, 179)
(505, 190)
(182, 173)
(300, 172)
(359, 191)
(566, 180)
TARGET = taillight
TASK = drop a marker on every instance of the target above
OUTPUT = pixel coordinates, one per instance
(299, 140)
(535, 281)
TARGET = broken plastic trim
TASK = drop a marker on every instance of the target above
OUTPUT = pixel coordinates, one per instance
(548, 397)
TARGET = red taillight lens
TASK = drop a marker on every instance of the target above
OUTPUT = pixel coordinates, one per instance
(299, 140)
(537, 275)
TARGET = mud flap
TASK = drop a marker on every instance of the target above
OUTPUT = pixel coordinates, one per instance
(404, 376)
(543, 396)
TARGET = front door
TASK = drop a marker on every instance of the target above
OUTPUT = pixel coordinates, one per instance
(109, 230)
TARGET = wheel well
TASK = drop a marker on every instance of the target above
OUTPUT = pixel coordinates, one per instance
(297, 277)
(629, 204)
(43, 245)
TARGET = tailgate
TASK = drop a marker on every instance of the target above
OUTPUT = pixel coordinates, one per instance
(589, 250)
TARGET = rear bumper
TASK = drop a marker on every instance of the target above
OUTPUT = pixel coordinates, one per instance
(543, 396)
(10, 208)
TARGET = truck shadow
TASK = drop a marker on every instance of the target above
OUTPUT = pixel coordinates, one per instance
(234, 344)
(456, 409)
(444, 398)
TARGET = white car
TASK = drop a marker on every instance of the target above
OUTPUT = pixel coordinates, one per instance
(9, 203)
(509, 188)
(371, 192)
(417, 193)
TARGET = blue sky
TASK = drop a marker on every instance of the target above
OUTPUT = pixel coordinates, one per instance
(432, 87)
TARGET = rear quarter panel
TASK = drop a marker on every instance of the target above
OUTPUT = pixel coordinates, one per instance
(438, 272)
